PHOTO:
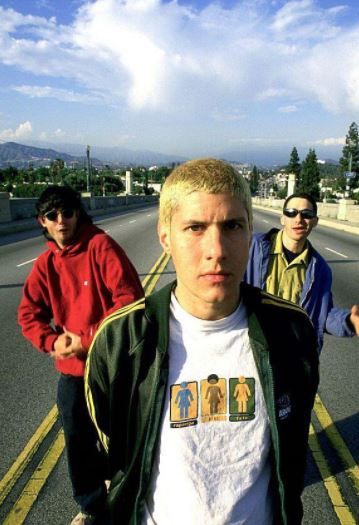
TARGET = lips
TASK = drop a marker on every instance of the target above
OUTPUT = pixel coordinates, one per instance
(216, 277)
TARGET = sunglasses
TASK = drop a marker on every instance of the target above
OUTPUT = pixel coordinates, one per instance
(67, 213)
(293, 212)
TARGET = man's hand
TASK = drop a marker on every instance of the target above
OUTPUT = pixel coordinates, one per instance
(62, 347)
(354, 318)
(68, 345)
(76, 344)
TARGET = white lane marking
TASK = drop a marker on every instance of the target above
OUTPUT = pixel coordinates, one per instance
(132, 221)
(106, 231)
(267, 222)
(149, 214)
(26, 262)
(337, 253)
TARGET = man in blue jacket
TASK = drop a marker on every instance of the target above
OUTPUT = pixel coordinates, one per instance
(284, 263)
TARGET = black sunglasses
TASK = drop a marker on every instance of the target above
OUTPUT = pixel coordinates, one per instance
(67, 213)
(293, 212)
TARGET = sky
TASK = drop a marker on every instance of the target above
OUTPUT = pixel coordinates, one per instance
(182, 77)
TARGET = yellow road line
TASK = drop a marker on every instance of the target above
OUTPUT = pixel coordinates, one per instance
(18, 467)
(153, 270)
(340, 508)
(22, 507)
(350, 467)
(157, 275)
(31, 491)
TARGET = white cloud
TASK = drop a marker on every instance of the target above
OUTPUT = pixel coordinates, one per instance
(227, 116)
(305, 19)
(288, 109)
(166, 57)
(60, 94)
(331, 141)
(271, 93)
(22, 131)
(59, 133)
(52, 135)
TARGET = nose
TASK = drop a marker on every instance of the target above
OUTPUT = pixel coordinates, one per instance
(60, 218)
(215, 244)
(299, 219)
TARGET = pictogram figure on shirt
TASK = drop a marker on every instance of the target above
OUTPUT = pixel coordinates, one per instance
(183, 400)
(241, 398)
(242, 394)
(183, 404)
(213, 398)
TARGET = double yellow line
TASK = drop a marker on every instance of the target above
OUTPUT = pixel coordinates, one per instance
(21, 508)
(351, 469)
(27, 498)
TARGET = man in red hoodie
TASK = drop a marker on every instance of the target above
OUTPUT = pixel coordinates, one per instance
(82, 277)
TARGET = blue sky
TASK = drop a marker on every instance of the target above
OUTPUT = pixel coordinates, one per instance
(182, 77)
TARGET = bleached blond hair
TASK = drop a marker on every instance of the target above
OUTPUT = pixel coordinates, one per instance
(207, 175)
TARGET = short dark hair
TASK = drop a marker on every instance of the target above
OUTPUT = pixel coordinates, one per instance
(61, 197)
(302, 195)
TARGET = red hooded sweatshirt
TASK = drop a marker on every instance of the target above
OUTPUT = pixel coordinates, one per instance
(76, 288)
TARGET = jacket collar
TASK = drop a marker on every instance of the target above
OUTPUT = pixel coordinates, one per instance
(158, 312)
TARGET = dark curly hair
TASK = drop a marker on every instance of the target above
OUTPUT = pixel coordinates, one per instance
(61, 197)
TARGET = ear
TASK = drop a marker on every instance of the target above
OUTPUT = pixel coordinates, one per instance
(282, 220)
(315, 222)
(164, 235)
(41, 221)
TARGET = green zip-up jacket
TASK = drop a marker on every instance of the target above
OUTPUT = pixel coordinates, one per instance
(126, 380)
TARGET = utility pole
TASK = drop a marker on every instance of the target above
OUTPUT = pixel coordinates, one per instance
(88, 169)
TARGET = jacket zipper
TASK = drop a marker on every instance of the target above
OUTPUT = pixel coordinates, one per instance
(150, 439)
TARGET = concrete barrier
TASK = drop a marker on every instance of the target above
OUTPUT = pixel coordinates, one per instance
(17, 214)
(5, 213)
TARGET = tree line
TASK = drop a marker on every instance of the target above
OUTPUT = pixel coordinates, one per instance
(30, 182)
(309, 174)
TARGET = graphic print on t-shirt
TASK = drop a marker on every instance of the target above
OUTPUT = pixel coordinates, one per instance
(241, 398)
(213, 399)
(184, 404)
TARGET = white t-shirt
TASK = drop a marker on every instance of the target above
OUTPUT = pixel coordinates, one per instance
(212, 463)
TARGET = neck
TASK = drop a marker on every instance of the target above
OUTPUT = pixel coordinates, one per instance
(292, 245)
(206, 310)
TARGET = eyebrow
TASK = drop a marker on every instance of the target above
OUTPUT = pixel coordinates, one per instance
(226, 221)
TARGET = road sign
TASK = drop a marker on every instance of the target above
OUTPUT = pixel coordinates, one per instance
(349, 174)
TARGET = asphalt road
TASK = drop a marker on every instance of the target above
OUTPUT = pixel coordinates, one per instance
(28, 379)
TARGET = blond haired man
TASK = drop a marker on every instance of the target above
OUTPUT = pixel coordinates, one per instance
(176, 457)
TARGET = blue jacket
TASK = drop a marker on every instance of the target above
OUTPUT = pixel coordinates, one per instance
(316, 297)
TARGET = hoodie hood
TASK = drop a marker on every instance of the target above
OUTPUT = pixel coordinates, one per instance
(84, 234)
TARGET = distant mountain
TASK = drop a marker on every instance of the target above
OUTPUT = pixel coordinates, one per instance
(331, 162)
(119, 155)
(261, 158)
(276, 156)
(20, 156)
(42, 153)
